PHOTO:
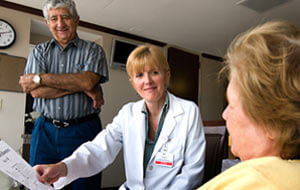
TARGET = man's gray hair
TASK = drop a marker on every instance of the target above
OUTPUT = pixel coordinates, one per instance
(69, 4)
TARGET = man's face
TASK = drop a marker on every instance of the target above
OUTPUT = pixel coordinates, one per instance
(62, 25)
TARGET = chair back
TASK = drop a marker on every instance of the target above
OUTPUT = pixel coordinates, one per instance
(216, 149)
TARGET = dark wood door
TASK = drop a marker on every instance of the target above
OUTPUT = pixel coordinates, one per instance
(184, 67)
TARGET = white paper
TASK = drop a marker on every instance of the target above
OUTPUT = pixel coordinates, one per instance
(12, 164)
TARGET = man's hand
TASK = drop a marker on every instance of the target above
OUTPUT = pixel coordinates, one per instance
(27, 84)
(96, 95)
(51, 173)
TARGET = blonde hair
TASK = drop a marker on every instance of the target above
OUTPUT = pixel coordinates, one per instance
(265, 64)
(146, 55)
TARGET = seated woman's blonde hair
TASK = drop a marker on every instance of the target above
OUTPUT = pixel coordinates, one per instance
(265, 64)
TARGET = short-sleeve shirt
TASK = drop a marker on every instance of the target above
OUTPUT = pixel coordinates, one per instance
(78, 56)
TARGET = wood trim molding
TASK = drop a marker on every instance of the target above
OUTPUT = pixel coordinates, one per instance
(214, 57)
(39, 12)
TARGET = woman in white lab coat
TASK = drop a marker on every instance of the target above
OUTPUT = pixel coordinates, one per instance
(161, 135)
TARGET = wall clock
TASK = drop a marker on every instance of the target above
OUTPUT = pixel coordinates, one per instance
(7, 34)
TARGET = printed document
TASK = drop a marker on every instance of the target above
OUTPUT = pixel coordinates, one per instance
(13, 165)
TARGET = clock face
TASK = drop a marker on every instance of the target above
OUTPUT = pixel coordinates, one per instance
(7, 34)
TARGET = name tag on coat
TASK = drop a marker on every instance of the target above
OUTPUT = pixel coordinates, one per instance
(164, 159)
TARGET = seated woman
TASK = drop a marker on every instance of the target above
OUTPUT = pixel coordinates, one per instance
(263, 115)
(162, 135)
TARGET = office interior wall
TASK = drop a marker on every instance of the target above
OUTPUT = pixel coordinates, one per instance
(12, 106)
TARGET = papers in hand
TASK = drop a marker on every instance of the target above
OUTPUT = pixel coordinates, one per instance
(17, 168)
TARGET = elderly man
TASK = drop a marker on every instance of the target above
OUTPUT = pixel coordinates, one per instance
(64, 75)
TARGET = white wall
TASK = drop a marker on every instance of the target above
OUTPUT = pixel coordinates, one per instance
(13, 104)
(12, 109)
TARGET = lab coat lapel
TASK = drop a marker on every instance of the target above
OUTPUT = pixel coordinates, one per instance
(139, 145)
(168, 126)
(140, 134)
(140, 123)
(167, 129)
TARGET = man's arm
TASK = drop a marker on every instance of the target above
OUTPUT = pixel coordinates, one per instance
(49, 92)
(97, 96)
(74, 82)
(58, 85)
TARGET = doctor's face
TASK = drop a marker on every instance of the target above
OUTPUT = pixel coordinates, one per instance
(249, 140)
(151, 84)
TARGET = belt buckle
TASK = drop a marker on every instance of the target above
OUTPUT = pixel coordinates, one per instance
(60, 124)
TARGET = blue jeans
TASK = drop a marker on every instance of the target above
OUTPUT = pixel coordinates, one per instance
(50, 144)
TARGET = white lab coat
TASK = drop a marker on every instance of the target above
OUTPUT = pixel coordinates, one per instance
(182, 136)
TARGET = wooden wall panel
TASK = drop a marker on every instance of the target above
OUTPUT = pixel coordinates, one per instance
(11, 68)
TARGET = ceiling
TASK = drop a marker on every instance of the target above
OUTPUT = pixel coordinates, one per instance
(203, 26)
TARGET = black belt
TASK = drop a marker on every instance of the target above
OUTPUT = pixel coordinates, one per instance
(67, 123)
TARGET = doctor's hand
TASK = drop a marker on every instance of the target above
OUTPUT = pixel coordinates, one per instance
(51, 173)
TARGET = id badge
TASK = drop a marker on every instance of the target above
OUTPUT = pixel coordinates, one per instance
(164, 159)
